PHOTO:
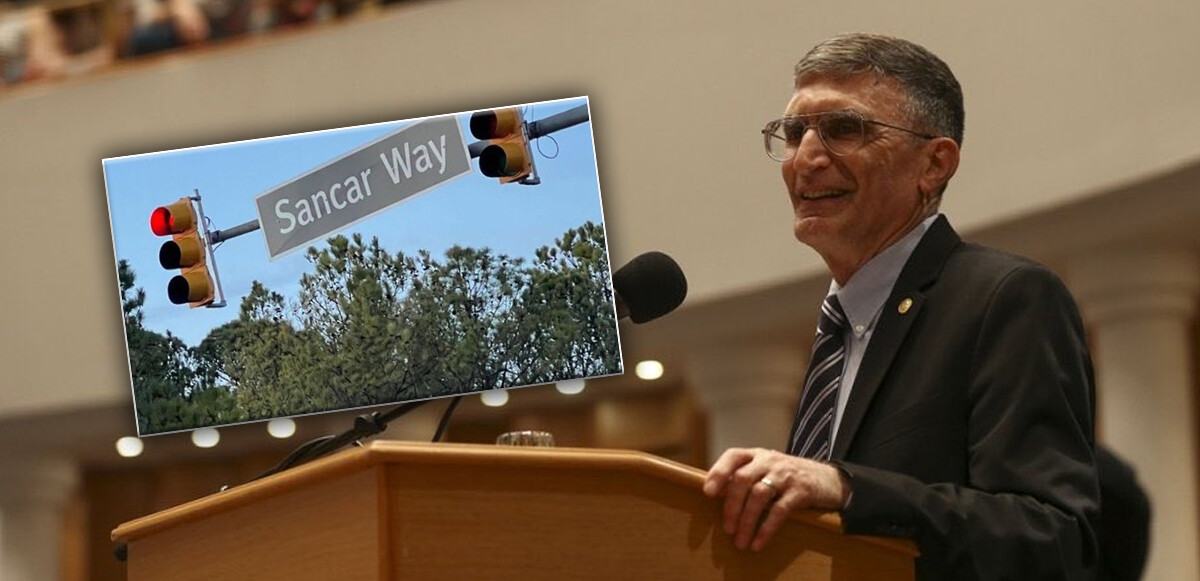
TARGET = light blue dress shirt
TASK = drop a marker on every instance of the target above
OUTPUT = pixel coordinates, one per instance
(862, 299)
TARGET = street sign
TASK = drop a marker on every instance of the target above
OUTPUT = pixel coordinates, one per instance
(370, 179)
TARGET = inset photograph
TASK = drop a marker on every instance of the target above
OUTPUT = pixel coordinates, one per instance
(363, 266)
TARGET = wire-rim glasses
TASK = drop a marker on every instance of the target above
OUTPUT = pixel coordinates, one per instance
(841, 132)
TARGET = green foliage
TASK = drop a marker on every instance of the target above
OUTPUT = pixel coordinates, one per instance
(370, 327)
(570, 298)
(168, 391)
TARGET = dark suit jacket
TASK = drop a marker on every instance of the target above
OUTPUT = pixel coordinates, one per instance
(1124, 519)
(969, 426)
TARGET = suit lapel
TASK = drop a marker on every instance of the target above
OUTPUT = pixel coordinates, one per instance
(902, 307)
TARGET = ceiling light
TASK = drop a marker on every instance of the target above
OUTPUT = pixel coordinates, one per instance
(494, 398)
(206, 437)
(129, 447)
(570, 386)
(649, 370)
(281, 428)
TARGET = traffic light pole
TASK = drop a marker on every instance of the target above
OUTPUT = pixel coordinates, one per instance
(223, 235)
(558, 121)
(532, 179)
(212, 254)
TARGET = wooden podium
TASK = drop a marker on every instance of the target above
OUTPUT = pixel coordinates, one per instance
(392, 511)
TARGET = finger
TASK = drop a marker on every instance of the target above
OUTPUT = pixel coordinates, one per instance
(758, 499)
(737, 491)
(776, 516)
(718, 476)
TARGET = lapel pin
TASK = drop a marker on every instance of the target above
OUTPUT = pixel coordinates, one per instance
(905, 305)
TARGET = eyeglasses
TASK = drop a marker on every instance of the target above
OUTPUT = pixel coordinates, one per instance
(842, 132)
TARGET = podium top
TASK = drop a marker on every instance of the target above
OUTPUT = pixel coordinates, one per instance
(379, 453)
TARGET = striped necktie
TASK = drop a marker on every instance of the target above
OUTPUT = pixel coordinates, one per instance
(813, 430)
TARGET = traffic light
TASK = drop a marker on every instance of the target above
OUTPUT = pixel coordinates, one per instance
(507, 154)
(186, 251)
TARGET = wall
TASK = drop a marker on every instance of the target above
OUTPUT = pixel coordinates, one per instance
(1064, 101)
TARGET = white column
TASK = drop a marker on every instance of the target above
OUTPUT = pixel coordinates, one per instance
(750, 392)
(1138, 307)
(33, 495)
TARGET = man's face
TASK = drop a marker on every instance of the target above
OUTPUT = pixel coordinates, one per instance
(850, 207)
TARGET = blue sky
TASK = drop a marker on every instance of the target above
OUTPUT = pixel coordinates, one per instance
(471, 211)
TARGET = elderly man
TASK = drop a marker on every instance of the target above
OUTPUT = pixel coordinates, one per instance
(949, 397)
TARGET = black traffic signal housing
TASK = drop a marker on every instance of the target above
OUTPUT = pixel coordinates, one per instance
(186, 251)
(507, 155)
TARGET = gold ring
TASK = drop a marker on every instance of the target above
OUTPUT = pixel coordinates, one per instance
(769, 484)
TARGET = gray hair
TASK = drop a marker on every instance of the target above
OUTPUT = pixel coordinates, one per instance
(934, 102)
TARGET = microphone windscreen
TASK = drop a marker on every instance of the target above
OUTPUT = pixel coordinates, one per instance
(651, 286)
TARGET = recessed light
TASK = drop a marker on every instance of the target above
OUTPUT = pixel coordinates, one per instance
(281, 428)
(649, 370)
(494, 398)
(129, 447)
(206, 437)
(570, 386)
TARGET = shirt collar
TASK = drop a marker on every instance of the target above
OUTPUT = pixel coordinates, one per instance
(863, 296)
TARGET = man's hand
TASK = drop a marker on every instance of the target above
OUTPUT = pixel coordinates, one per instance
(756, 479)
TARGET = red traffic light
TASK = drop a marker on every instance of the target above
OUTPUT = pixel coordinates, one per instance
(160, 221)
(185, 250)
(172, 219)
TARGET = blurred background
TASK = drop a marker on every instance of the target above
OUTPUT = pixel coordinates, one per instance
(1082, 151)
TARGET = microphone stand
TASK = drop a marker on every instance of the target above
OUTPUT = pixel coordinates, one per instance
(365, 426)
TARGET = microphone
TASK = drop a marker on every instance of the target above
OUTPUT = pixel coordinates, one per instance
(649, 287)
